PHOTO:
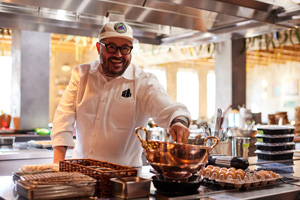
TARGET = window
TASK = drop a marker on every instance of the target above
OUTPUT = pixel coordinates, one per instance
(5, 83)
(211, 94)
(160, 73)
(188, 90)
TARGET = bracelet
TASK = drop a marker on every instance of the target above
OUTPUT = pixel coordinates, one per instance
(181, 121)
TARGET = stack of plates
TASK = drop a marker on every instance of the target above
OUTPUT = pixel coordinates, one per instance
(275, 142)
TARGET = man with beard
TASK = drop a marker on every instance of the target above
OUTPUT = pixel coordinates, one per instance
(107, 99)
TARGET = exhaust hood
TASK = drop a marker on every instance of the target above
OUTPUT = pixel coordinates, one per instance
(154, 21)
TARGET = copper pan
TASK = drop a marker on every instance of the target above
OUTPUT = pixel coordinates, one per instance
(175, 153)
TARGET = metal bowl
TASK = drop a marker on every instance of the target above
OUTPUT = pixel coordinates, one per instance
(175, 153)
(7, 140)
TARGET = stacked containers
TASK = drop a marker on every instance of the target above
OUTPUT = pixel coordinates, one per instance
(297, 121)
(275, 142)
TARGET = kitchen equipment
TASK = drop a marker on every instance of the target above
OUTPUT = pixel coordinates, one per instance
(218, 122)
(196, 140)
(275, 155)
(238, 132)
(240, 146)
(175, 160)
(176, 187)
(130, 187)
(275, 142)
(120, 178)
(224, 147)
(274, 146)
(196, 136)
(55, 185)
(177, 172)
(275, 138)
(7, 140)
(99, 170)
(227, 162)
(175, 153)
(275, 130)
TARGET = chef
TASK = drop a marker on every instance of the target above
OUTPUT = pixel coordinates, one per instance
(107, 99)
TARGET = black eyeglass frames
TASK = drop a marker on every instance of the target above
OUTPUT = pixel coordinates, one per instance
(112, 48)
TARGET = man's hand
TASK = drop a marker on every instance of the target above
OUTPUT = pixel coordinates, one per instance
(179, 132)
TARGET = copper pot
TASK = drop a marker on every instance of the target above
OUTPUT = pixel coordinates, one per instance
(175, 153)
(176, 172)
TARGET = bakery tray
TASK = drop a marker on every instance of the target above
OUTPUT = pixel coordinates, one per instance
(100, 170)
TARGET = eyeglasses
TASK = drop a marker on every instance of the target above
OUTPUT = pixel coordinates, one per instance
(112, 48)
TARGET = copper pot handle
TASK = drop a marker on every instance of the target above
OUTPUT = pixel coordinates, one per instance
(216, 140)
(144, 142)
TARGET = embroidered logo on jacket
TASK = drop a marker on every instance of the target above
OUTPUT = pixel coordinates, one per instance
(126, 93)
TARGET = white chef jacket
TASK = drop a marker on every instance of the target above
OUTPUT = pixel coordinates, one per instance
(105, 113)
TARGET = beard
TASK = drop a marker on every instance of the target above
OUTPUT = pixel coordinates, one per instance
(114, 66)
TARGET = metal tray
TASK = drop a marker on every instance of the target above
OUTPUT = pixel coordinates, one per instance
(17, 175)
(7, 140)
(55, 185)
(134, 187)
(39, 144)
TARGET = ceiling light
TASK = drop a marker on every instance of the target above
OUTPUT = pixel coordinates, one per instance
(61, 14)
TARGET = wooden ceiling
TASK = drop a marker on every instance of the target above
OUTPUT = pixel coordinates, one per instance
(279, 55)
(68, 43)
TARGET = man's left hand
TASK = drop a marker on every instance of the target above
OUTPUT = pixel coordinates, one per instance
(179, 132)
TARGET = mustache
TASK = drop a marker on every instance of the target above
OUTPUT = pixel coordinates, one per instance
(116, 58)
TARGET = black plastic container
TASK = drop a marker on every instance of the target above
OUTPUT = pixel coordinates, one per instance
(278, 155)
(275, 138)
(275, 130)
(274, 146)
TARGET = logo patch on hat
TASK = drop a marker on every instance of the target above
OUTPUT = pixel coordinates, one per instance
(120, 28)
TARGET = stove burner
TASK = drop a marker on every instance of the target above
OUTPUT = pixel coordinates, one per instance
(177, 187)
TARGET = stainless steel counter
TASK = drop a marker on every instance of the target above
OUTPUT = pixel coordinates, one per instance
(276, 191)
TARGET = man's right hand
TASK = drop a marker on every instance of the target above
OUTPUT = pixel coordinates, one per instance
(59, 154)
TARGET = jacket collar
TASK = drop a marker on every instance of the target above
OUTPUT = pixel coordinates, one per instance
(128, 74)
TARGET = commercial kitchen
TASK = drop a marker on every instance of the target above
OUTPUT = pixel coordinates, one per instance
(244, 101)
